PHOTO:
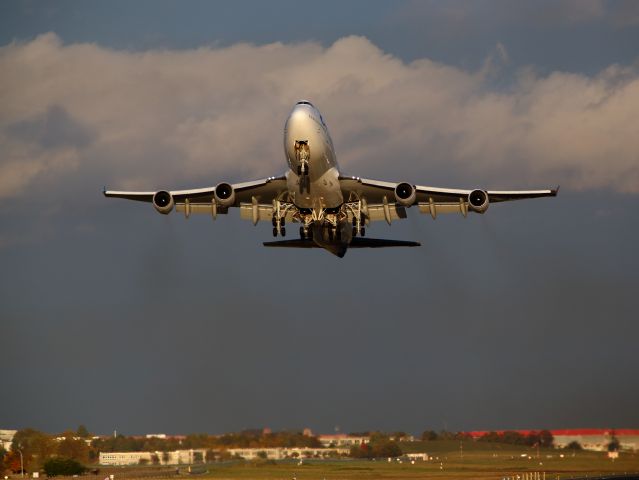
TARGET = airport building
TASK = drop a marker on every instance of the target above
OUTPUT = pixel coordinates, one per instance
(176, 457)
(6, 437)
(597, 439)
(282, 453)
(342, 440)
(589, 438)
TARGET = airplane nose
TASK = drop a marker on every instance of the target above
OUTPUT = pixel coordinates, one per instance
(296, 121)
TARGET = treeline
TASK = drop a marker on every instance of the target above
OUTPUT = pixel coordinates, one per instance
(79, 446)
(32, 449)
(542, 438)
(244, 439)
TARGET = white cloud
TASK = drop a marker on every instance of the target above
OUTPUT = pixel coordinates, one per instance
(195, 117)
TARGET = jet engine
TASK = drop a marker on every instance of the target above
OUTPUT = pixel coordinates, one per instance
(224, 195)
(163, 202)
(405, 194)
(478, 201)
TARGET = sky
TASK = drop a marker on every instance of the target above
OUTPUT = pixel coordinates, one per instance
(121, 319)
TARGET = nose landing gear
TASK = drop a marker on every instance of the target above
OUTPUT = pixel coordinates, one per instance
(302, 155)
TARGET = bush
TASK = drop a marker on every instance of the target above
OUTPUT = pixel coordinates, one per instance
(62, 466)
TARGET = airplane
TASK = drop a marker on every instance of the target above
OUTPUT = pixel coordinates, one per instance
(333, 210)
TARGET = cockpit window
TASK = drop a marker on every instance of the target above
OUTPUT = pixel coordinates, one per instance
(304, 102)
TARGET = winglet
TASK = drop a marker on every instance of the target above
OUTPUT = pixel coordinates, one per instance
(555, 191)
(104, 190)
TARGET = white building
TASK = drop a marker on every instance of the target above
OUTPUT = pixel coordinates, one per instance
(176, 457)
(596, 438)
(342, 440)
(6, 437)
(282, 453)
(417, 456)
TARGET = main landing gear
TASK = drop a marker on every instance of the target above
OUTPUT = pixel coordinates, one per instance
(306, 233)
(358, 226)
(279, 226)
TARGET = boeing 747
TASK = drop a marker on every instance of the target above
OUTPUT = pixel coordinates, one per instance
(332, 210)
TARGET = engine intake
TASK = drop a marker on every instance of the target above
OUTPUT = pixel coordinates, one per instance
(478, 201)
(405, 194)
(163, 202)
(225, 194)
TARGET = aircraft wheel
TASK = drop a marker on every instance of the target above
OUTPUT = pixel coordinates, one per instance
(283, 231)
(274, 221)
(302, 235)
(282, 222)
(274, 231)
(354, 231)
(362, 231)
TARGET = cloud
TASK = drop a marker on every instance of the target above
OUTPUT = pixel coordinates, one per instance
(82, 114)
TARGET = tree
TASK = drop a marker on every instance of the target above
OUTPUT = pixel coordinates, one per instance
(143, 461)
(430, 436)
(574, 445)
(73, 448)
(155, 459)
(386, 449)
(261, 454)
(83, 432)
(614, 445)
(165, 457)
(3, 452)
(546, 439)
(62, 466)
(36, 447)
(12, 461)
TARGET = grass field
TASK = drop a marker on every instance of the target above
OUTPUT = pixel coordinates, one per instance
(480, 461)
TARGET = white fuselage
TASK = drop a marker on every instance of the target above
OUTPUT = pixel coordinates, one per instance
(307, 141)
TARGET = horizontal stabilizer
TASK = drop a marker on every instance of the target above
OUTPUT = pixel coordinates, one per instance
(357, 242)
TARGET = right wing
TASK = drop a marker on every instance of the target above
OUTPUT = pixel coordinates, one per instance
(255, 198)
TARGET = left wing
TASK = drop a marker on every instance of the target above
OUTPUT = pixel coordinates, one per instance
(256, 199)
(387, 200)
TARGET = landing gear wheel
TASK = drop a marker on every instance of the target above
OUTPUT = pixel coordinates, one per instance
(354, 221)
(354, 231)
(302, 234)
(275, 231)
(274, 221)
(283, 231)
(282, 222)
(362, 231)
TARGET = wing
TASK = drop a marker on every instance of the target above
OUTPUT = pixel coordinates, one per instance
(252, 197)
(381, 202)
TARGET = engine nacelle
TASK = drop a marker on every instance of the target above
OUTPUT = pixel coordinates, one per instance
(163, 202)
(225, 195)
(405, 194)
(478, 201)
